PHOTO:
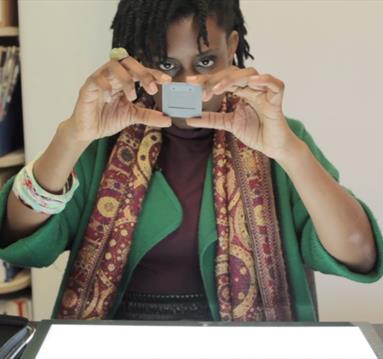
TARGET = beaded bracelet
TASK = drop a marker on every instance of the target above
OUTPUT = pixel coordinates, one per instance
(32, 195)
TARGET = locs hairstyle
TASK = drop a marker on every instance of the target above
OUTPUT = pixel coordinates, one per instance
(140, 26)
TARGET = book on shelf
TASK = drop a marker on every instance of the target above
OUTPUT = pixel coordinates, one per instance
(8, 271)
(9, 73)
(17, 303)
(11, 128)
(8, 13)
(20, 281)
(15, 293)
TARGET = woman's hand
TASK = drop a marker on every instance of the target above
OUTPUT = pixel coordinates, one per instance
(104, 106)
(258, 120)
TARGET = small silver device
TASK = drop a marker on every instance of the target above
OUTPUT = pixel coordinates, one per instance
(182, 100)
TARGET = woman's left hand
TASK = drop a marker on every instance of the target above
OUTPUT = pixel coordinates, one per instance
(258, 119)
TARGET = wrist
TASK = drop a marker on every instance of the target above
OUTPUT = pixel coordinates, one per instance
(52, 169)
(295, 152)
(67, 132)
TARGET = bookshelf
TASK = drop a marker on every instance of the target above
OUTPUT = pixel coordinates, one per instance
(21, 281)
(12, 159)
(15, 295)
(9, 31)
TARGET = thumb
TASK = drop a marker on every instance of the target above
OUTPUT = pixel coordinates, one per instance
(214, 120)
(148, 117)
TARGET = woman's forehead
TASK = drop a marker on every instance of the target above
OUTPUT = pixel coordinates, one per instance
(182, 37)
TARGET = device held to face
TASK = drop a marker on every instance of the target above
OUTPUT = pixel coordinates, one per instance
(182, 100)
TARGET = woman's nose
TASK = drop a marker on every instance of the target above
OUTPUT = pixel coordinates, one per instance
(182, 77)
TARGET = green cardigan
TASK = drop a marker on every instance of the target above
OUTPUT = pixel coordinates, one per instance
(162, 214)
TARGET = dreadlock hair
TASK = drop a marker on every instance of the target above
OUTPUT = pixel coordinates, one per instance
(140, 26)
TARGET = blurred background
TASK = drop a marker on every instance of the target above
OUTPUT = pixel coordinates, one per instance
(328, 53)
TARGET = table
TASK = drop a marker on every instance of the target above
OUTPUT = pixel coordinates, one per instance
(379, 330)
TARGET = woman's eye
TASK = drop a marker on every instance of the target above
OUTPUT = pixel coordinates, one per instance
(166, 66)
(208, 62)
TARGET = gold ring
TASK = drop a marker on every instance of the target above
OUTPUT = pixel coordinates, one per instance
(118, 53)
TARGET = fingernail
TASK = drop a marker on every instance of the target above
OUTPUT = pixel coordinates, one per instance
(132, 95)
(166, 77)
(205, 96)
(152, 87)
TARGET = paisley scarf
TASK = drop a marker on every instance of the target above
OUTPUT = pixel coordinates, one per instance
(250, 272)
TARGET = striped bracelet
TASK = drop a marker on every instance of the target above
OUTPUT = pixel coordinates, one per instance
(32, 195)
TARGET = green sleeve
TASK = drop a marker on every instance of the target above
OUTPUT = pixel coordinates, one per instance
(43, 246)
(312, 250)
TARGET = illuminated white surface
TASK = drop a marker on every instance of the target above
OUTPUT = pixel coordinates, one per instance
(182, 342)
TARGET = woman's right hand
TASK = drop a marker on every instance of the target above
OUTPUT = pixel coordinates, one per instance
(105, 103)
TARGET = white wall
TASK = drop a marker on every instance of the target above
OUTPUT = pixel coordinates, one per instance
(328, 53)
(330, 56)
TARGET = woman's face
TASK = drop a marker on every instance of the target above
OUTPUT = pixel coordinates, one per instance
(184, 59)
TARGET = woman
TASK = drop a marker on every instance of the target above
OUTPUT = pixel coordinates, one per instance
(219, 217)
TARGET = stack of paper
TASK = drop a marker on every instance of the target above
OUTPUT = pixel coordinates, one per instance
(66, 341)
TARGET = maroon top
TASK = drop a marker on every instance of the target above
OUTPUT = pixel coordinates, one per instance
(172, 266)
